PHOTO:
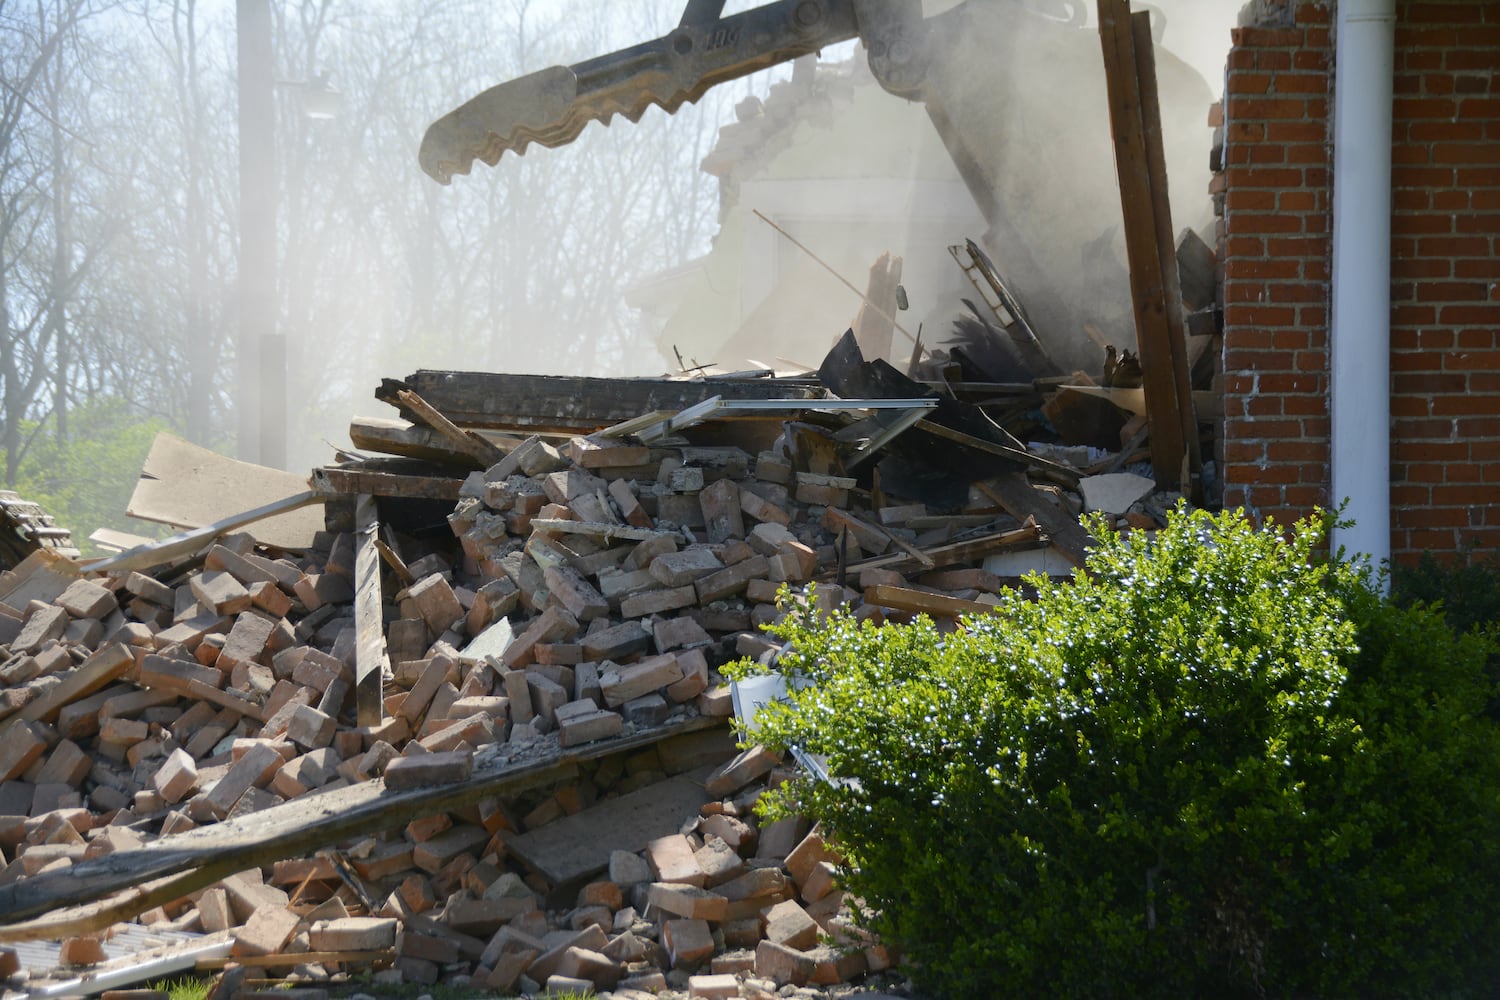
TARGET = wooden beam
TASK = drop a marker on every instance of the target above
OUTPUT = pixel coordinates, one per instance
(607, 533)
(1018, 455)
(289, 959)
(369, 646)
(1147, 280)
(1166, 244)
(574, 405)
(229, 698)
(925, 560)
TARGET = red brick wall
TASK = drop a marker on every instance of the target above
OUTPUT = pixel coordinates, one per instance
(1445, 291)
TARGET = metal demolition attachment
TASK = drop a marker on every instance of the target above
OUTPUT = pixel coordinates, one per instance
(552, 106)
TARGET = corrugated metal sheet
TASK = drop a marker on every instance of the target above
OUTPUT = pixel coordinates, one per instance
(127, 947)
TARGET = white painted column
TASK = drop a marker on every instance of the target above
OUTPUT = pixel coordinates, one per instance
(1360, 334)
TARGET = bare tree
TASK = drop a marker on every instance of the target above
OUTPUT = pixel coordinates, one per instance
(36, 270)
(118, 195)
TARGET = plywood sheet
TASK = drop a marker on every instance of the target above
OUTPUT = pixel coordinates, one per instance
(188, 486)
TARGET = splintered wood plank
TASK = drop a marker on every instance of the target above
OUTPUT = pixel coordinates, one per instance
(1148, 283)
(1016, 454)
(626, 428)
(579, 845)
(875, 323)
(923, 602)
(395, 562)
(369, 635)
(95, 893)
(468, 442)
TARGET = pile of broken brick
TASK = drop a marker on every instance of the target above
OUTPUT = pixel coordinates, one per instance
(546, 681)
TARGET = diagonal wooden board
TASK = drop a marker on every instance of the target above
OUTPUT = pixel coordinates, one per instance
(1014, 493)
(188, 486)
(580, 845)
(935, 605)
(93, 894)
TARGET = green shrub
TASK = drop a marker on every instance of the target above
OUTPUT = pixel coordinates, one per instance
(1468, 594)
(1215, 765)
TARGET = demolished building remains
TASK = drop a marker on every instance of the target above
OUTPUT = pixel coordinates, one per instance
(476, 731)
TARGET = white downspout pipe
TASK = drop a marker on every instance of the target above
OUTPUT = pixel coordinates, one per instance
(1360, 329)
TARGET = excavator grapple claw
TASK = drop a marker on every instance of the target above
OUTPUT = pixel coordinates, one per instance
(552, 106)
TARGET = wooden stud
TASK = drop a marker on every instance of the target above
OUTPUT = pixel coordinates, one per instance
(1147, 280)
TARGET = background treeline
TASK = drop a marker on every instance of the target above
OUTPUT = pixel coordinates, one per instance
(118, 218)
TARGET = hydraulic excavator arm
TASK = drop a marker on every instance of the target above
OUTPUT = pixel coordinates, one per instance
(552, 106)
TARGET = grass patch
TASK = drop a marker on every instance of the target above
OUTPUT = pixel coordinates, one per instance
(184, 987)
